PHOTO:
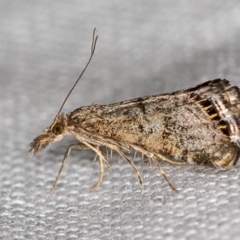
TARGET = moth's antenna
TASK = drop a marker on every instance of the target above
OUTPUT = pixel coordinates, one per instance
(94, 42)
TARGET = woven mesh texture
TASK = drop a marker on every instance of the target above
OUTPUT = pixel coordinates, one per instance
(144, 48)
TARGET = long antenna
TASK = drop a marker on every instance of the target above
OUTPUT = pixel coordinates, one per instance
(94, 42)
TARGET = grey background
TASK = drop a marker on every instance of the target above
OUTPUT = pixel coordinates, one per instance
(144, 48)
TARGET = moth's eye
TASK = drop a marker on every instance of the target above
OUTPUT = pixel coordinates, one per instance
(57, 129)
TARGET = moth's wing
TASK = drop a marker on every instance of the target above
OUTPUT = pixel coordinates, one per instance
(221, 102)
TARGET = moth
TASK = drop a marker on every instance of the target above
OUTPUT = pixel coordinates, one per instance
(198, 125)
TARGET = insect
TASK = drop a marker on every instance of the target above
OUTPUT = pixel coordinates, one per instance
(199, 125)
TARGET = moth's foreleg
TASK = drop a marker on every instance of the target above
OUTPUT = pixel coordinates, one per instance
(101, 171)
(73, 146)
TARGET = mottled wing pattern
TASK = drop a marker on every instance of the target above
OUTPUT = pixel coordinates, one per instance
(199, 125)
(221, 102)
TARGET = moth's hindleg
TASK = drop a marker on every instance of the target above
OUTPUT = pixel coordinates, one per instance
(132, 164)
(73, 146)
(169, 160)
(154, 159)
(164, 174)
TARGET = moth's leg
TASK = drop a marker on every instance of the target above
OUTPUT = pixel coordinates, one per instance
(164, 174)
(169, 160)
(100, 178)
(131, 163)
(102, 160)
(150, 155)
(135, 154)
(105, 152)
(100, 155)
(73, 146)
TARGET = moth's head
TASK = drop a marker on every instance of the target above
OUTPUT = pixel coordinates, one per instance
(53, 133)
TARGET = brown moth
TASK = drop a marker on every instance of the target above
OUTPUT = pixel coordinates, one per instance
(199, 125)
